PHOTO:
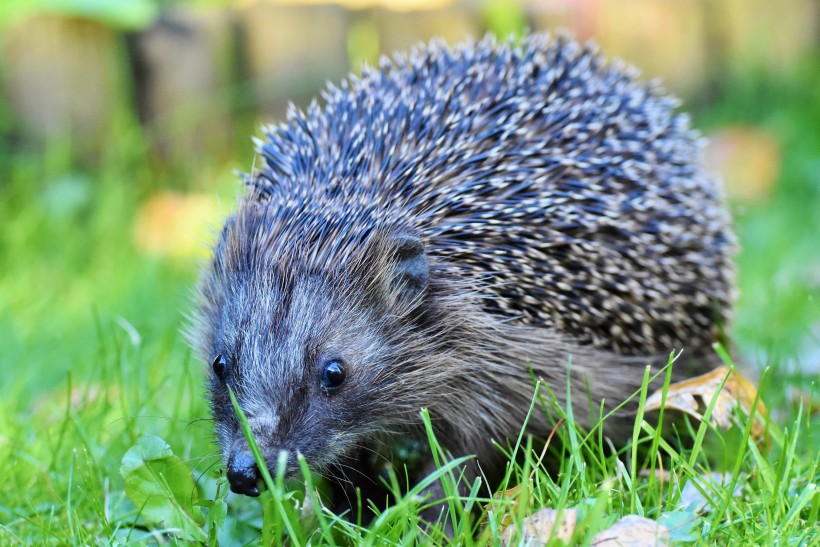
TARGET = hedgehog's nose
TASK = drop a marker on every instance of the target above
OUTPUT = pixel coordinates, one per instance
(243, 474)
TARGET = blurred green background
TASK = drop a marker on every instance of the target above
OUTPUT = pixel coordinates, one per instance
(122, 124)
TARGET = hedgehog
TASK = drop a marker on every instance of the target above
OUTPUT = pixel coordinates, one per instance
(443, 231)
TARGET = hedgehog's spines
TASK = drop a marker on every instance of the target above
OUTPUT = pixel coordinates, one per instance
(531, 161)
(554, 206)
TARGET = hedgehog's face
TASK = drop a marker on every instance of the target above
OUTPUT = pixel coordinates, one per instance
(307, 358)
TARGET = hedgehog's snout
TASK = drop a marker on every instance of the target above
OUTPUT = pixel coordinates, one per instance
(243, 473)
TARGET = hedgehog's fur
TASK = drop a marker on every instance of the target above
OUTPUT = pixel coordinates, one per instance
(564, 218)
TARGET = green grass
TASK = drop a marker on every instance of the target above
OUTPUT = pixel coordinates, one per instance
(92, 361)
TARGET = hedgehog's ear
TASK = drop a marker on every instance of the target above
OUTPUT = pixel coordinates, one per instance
(411, 273)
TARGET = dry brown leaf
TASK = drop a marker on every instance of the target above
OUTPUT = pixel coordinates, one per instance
(174, 224)
(514, 495)
(747, 158)
(633, 531)
(80, 397)
(518, 502)
(543, 525)
(694, 394)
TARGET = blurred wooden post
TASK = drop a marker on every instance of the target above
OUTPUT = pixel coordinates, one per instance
(291, 51)
(62, 78)
(68, 76)
(399, 31)
(183, 73)
(690, 44)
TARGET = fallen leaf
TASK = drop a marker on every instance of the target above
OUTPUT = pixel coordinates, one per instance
(516, 502)
(633, 531)
(693, 500)
(693, 395)
(175, 225)
(515, 499)
(682, 525)
(81, 396)
(542, 526)
(747, 158)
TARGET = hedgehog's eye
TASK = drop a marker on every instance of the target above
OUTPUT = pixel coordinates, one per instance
(333, 374)
(220, 367)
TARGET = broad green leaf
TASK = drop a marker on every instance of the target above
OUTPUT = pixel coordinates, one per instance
(162, 488)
